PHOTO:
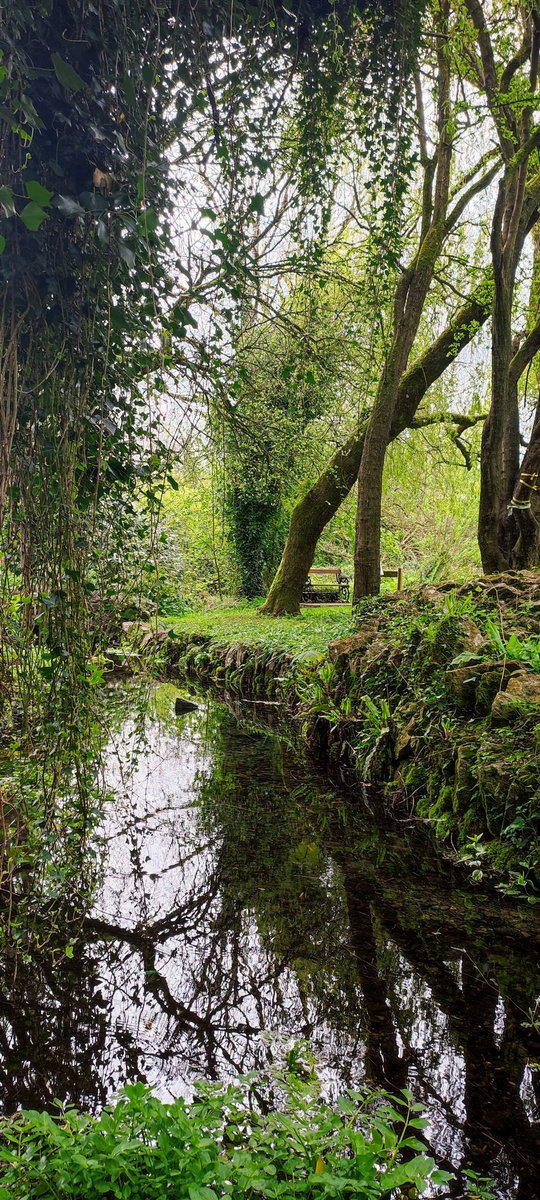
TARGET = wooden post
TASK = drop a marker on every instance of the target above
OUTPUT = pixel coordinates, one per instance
(400, 579)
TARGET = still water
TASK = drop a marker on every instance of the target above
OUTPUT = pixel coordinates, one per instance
(241, 904)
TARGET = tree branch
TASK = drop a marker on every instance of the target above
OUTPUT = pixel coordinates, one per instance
(477, 186)
(529, 347)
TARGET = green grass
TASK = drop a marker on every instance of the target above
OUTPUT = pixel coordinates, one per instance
(305, 636)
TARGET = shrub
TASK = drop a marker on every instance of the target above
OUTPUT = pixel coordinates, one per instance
(220, 1145)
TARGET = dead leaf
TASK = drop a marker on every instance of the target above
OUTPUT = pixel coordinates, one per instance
(102, 180)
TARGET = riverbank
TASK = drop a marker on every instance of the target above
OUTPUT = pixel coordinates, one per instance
(428, 706)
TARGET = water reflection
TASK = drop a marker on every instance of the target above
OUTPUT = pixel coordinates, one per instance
(240, 899)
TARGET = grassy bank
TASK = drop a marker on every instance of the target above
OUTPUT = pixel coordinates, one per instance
(306, 636)
(428, 706)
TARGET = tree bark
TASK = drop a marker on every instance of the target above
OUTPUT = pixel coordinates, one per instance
(411, 294)
(324, 498)
(526, 549)
(514, 210)
(499, 460)
(525, 502)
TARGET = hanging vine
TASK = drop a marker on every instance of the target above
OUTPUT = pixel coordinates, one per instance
(98, 102)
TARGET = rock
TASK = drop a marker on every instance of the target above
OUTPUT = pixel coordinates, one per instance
(463, 683)
(493, 781)
(241, 654)
(489, 684)
(184, 706)
(464, 776)
(230, 657)
(524, 685)
(378, 654)
(523, 690)
(431, 594)
(344, 649)
(470, 636)
(403, 747)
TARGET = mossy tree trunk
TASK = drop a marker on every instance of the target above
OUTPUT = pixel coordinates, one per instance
(525, 501)
(526, 549)
(515, 212)
(309, 518)
(411, 294)
(526, 495)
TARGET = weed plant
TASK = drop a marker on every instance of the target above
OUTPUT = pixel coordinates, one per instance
(229, 1141)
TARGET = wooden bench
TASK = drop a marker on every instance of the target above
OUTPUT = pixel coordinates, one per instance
(326, 585)
(394, 575)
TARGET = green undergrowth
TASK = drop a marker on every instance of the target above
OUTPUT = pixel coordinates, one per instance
(271, 1137)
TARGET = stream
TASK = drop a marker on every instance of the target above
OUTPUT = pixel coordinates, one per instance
(243, 904)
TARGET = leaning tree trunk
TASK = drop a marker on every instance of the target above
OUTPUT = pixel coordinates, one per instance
(323, 500)
(526, 495)
(410, 299)
(308, 520)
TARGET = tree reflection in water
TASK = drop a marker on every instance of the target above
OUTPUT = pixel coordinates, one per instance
(240, 899)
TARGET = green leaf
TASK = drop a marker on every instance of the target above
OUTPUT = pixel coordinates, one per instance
(37, 192)
(409, 1172)
(126, 254)
(257, 204)
(148, 220)
(7, 201)
(68, 950)
(69, 207)
(2, 243)
(30, 114)
(33, 216)
(66, 75)
(129, 90)
(181, 316)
